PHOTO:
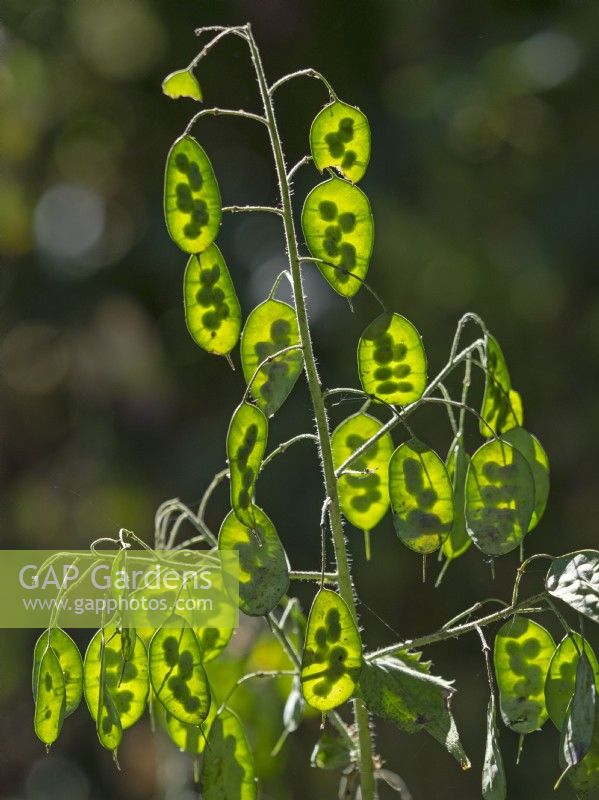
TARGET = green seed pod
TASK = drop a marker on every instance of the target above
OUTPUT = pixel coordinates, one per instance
(263, 566)
(70, 662)
(497, 410)
(364, 499)
(340, 137)
(192, 204)
(246, 443)
(177, 675)
(561, 677)
(421, 496)
(391, 360)
(272, 326)
(212, 310)
(182, 83)
(339, 229)
(458, 540)
(536, 458)
(522, 653)
(50, 697)
(332, 657)
(500, 498)
(228, 768)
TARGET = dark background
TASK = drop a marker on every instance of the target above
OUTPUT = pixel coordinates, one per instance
(484, 185)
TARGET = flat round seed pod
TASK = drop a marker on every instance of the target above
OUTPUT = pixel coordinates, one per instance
(339, 229)
(391, 360)
(212, 310)
(364, 499)
(272, 326)
(50, 697)
(246, 443)
(332, 657)
(177, 675)
(536, 457)
(71, 665)
(421, 496)
(182, 83)
(192, 204)
(340, 137)
(228, 771)
(458, 540)
(522, 652)
(263, 566)
(561, 676)
(126, 680)
(500, 498)
(497, 410)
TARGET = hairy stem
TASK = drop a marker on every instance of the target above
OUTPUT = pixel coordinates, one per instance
(318, 406)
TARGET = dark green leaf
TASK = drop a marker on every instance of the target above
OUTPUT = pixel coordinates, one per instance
(263, 566)
(338, 227)
(421, 496)
(494, 784)
(522, 653)
(332, 657)
(212, 310)
(577, 731)
(340, 137)
(574, 578)
(272, 326)
(192, 204)
(391, 360)
(500, 497)
(402, 691)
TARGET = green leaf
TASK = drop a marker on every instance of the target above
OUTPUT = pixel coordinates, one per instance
(339, 229)
(50, 697)
(391, 360)
(246, 443)
(263, 566)
(272, 326)
(458, 540)
(500, 497)
(330, 752)
(212, 310)
(522, 653)
(340, 137)
(228, 769)
(364, 499)
(404, 692)
(182, 83)
(70, 662)
(421, 496)
(577, 731)
(332, 657)
(561, 677)
(536, 458)
(192, 204)
(177, 675)
(126, 680)
(574, 578)
(494, 783)
(497, 410)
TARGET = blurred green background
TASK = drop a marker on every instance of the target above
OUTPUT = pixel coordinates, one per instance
(484, 181)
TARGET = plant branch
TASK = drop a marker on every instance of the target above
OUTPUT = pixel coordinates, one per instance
(222, 32)
(315, 389)
(222, 112)
(295, 167)
(302, 73)
(308, 575)
(266, 209)
(528, 606)
(284, 445)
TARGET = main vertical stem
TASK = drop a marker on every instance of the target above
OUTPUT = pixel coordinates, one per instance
(344, 575)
